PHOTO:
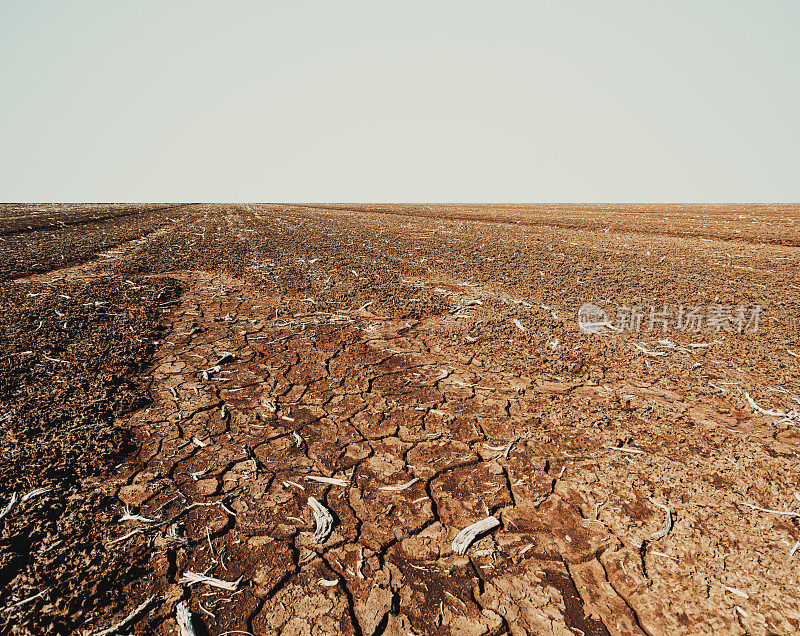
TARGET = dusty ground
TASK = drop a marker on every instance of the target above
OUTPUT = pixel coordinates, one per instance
(398, 350)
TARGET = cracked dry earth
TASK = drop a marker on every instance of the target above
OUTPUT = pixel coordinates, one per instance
(419, 370)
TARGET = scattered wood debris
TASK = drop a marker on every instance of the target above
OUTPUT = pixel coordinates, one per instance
(647, 351)
(334, 481)
(323, 519)
(25, 601)
(465, 538)
(787, 513)
(667, 524)
(184, 619)
(192, 578)
(400, 486)
(761, 410)
(11, 505)
(622, 449)
(129, 516)
(122, 626)
(328, 582)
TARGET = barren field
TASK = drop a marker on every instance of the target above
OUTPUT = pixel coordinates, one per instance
(284, 417)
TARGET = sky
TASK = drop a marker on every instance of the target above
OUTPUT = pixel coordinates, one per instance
(529, 101)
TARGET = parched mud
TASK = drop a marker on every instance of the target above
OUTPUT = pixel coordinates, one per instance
(414, 374)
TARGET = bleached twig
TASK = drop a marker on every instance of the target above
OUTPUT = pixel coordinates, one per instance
(465, 538)
(329, 480)
(298, 439)
(648, 352)
(175, 535)
(776, 512)
(195, 577)
(323, 519)
(761, 410)
(128, 620)
(733, 590)
(667, 525)
(199, 473)
(328, 582)
(507, 449)
(169, 522)
(360, 562)
(25, 601)
(11, 505)
(35, 493)
(184, 619)
(400, 486)
(635, 451)
(128, 516)
(519, 325)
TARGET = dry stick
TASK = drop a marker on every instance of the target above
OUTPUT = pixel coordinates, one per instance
(11, 505)
(776, 512)
(25, 601)
(465, 538)
(184, 618)
(128, 620)
(195, 577)
(667, 525)
(647, 351)
(323, 519)
(161, 524)
(329, 480)
(400, 486)
(35, 493)
(626, 450)
(761, 410)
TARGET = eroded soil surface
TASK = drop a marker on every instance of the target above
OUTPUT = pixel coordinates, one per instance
(415, 369)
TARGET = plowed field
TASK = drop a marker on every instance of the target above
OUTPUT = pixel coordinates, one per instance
(181, 387)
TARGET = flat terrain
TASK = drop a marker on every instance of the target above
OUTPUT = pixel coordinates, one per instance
(178, 382)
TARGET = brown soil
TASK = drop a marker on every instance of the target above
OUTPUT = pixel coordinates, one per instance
(344, 329)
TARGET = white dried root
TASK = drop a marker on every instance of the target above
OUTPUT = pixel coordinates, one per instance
(129, 516)
(761, 410)
(647, 351)
(184, 618)
(667, 525)
(35, 493)
(323, 519)
(465, 538)
(298, 439)
(176, 535)
(400, 486)
(24, 601)
(328, 582)
(121, 627)
(195, 577)
(11, 505)
(224, 358)
(334, 481)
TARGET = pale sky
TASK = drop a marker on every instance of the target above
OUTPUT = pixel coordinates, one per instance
(569, 100)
